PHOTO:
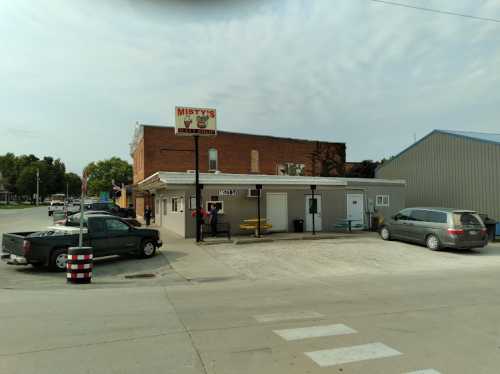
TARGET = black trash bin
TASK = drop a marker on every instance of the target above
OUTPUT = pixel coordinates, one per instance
(298, 225)
(490, 226)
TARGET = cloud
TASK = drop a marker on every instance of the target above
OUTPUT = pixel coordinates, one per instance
(355, 71)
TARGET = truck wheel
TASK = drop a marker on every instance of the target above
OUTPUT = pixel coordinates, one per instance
(148, 249)
(50, 213)
(58, 260)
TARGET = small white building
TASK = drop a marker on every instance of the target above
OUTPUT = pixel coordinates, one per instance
(283, 200)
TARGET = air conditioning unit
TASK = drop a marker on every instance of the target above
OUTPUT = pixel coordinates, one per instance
(190, 171)
(253, 192)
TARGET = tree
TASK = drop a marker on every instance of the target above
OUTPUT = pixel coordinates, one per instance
(329, 159)
(363, 169)
(26, 182)
(74, 184)
(102, 173)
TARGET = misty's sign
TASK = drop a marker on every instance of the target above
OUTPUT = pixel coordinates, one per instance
(195, 121)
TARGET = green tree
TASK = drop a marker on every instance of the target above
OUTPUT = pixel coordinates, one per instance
(26, 182)
(8, 167)
(102, 173)
(74, 183)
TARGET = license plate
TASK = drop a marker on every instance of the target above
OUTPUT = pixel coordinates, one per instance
(473, 232)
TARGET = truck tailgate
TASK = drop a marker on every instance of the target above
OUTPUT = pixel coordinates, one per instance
(13, 243)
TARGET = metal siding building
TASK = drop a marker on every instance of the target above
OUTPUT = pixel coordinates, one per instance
(452, 169)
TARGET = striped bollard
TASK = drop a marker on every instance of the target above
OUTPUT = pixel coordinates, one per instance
(79, 265)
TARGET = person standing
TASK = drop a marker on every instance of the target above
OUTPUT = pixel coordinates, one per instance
(147, 215)
(214, 212)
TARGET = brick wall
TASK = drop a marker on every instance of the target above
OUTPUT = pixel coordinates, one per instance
(161, 150)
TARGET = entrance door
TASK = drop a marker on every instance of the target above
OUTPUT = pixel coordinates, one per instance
(277, 210)
(313, 206)
(356, 210)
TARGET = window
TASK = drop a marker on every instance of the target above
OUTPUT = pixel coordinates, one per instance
(96, 226)
(437, 217)
(254, 161)
(116, 225)
(177, 204)
(382, 200)
(212, 159)
(192, 203)
(218, 203)
(174, 204)
(291, 168)
(418, 215)
(403, 215)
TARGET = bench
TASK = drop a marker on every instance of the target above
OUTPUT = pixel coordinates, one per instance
(222, 228)
(252, 225)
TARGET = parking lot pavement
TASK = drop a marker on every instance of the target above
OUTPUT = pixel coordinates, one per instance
(366, 254)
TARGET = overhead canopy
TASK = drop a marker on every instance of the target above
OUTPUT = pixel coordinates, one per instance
(164, 179)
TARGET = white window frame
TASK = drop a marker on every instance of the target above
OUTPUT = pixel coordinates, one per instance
(212, 151)
(384, 200)
(177, 202)
(221, 202)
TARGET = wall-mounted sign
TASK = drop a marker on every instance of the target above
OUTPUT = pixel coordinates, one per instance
(228, 192)
(195, 121)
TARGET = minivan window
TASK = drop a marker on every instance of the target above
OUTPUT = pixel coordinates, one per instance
(466, 219)
(418, 215)
(403, 215)
(436, 217)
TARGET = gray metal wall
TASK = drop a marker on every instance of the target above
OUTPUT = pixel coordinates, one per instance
(450, 171)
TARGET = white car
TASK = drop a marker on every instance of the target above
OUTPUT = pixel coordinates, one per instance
(56, 206)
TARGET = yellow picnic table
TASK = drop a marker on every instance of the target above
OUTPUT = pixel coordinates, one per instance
(252, 224)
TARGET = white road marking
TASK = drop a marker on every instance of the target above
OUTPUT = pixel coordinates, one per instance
(287, 316)
(424, 371)
(330, 357)
(314, 332)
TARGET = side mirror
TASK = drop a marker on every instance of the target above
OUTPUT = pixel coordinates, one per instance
(395, 218)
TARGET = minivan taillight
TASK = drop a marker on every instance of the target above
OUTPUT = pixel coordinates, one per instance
(26, 247)
(456, 231)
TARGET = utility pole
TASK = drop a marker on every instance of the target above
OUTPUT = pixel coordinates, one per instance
(67, 191)
(37, 186)
(198, 194)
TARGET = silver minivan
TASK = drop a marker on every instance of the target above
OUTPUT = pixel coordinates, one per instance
(437, 228)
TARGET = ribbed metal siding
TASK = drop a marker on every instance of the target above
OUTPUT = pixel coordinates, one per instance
(450, 171)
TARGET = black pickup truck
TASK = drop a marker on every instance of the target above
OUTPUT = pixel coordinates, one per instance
(107, 235)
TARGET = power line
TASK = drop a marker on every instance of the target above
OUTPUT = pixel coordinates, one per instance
(436, 11)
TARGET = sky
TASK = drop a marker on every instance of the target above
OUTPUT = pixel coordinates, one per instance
(76, 76)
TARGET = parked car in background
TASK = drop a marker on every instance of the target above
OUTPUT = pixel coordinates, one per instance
(437, 228)
(74, 219)
(111, 208)
(56, 206)
(106, 234)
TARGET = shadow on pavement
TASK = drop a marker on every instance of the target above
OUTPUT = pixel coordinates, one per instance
(114, 265)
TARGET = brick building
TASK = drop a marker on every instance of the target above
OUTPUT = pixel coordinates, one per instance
(157, 148)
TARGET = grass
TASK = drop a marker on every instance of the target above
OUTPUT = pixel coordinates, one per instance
(16, 206)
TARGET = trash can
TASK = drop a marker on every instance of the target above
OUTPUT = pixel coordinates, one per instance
(490, 226)
(79, 265)
(375, 223)
(298, 225)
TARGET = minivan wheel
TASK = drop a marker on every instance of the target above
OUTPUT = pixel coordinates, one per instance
(432, 242)
(385, 233)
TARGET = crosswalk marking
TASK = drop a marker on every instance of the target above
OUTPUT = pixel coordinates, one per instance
(331, 357)
(287, 316)
(424, 371)
(314, 332)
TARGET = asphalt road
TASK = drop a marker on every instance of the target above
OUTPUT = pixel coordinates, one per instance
(425, 321)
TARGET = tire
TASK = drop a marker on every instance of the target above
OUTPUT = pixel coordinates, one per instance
(385, 234)
(148, 249)
(432, 242)
(50, 213)
(56, 263)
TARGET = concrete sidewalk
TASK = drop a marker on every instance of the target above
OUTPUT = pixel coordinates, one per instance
(192, 261)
